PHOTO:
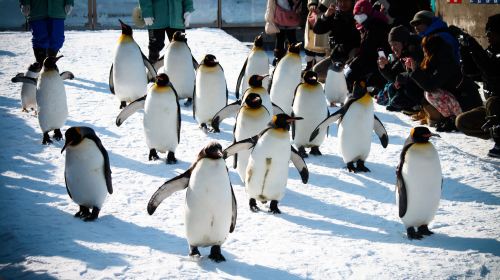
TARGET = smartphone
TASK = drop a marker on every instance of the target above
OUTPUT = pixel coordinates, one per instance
(381, 53)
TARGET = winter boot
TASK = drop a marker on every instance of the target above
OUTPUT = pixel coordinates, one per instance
(495, 134)
(40, 54)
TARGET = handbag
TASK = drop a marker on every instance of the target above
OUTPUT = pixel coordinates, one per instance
(271, 28)
(286, 18)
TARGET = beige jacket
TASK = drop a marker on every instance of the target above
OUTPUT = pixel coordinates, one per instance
(317, 42)
(271, 27)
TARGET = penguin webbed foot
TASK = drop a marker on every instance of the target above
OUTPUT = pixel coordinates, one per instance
(215, 129)
(273, 208)
(46, 139)
(93, 216)
(57, 135)
(188, 102)
(360, 167)
(350, 166)
(412, 234)
(204, 127)
(215, 254)
(171, 158)
(302, 152)
(83, 212)
(315, 151)
(123, 104)
(193, 251)
(424, 230)
(153, 155)
(253, 205)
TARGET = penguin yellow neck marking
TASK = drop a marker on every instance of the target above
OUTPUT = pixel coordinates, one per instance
(309, 87)
(366, 99)
(125, 39)
(254, 48)
(160, 89)
(208, 69)
(421, 145)
(281, 132)
(293, 54)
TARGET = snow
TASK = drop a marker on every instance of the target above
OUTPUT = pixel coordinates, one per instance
(339, 225)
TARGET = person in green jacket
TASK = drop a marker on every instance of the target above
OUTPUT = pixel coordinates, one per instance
(164, 16)
(46, 20)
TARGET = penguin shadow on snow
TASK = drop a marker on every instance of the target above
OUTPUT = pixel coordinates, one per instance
(455, 191)
(7, 53)
(89, 85)
(100, 130)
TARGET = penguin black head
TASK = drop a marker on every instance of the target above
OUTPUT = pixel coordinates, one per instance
(256, 80)
(253, 100)
(283, 121)
(295, 48)
(421, 134)
(258, 42)
(213, 151)
(337, 66)
(126, 29)
(210, 60)
(162, 80)
(359, 89)
(75, 134)
(50, 62)
(310, 77)
(179, 36)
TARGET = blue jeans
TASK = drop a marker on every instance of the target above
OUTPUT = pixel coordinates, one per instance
(47, 33)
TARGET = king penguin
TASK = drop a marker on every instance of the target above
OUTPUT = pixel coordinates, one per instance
(210, 91)
(87, 171)
(210, 209)
(419, 182)
(51, 100)
(356, 122)
(267, 169)
(128, 78)
(162, 118)
(335, 85)
(257, 63)
(180, 66)
(309, 101)
(286, 77)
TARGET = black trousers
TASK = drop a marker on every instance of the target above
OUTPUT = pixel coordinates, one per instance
(157, 41)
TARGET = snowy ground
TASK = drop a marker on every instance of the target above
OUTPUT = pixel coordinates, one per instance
(339, 225)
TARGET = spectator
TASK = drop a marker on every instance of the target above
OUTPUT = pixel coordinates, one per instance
(164, 16)
(487, 64)
(315, 45)
(47, 26)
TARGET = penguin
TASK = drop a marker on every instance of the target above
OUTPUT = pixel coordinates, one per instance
(162, 118)
(29, 80)
(286, 77)
(257, 63)
(255, 83)
(87, 171)
(127, 77)
(210, 91)
(419, 182)
(210, 208)
(335, 84)
(356, 121)
(267, 169)
(309, 101)
(180, 66)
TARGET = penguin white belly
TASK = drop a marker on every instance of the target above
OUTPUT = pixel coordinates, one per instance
(160, 121)
(84, 174)
(285, 79)
(257, 64)
(208, 204)
(179, 68)
(422, 176)
(210, 95)
(355, 132)
(335, 87)
(28, 92)
(129, 73)
(248, 124)
(267, 170)
(51, 101)
(312, 107)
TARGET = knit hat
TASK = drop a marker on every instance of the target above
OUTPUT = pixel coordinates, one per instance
(493, 23)
(362, 7)
(399, 34)
(424, 17)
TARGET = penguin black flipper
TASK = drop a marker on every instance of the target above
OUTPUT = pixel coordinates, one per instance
(277, 109)
(151, 69)
(235, 159)
(300, 164)
(400, 183)
(330, 120)
(177, 183)
(270, 81)
(193, 60)
(66, 183)
(226, 112)
(23, 79)
(130, 109)
(321, 68)
(240, 77)
(110, 80)
(67, 75)
(292, 127)
(107, 166)
(379, 129)
(234, 210)
(245, 144)
(178, 114)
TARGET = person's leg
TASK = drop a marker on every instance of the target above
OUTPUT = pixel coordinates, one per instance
(56, 36)
(470, 123)
(279, 46)
(156, 43)
(40, 39)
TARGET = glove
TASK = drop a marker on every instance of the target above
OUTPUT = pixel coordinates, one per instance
(68, 9)
(187, 19)
(25, 9)
(149, 20)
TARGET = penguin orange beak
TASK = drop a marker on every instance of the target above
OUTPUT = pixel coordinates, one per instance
(65, 145)
(435, 134)
(292, 119)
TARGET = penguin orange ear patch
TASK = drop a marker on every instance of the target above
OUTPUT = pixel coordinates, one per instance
(78, 130)
(274, 119)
